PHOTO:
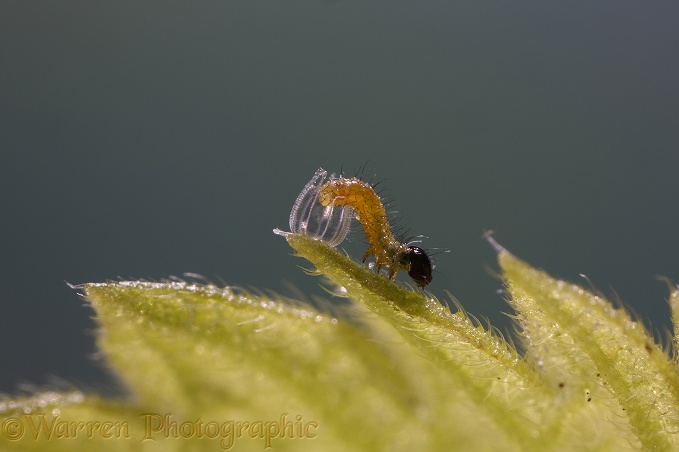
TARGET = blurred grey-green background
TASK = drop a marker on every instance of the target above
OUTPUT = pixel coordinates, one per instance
(148, 139)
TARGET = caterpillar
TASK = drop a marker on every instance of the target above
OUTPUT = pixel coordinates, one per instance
(370, 212)
(324, 210)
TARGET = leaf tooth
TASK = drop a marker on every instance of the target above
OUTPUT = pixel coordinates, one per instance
(626, 357)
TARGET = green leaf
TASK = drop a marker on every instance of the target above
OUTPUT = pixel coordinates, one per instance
(613, 378)
(395, 369)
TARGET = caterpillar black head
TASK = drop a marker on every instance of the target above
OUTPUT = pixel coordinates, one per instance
(419, 266)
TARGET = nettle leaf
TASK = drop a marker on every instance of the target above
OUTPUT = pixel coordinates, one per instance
(213, 368)
(598, 354)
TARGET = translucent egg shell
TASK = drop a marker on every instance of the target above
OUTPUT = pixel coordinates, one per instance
(329, 224)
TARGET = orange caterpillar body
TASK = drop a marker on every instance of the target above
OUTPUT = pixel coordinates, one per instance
(370, 213)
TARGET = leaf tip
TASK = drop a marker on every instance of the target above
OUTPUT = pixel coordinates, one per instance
(488, 236)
